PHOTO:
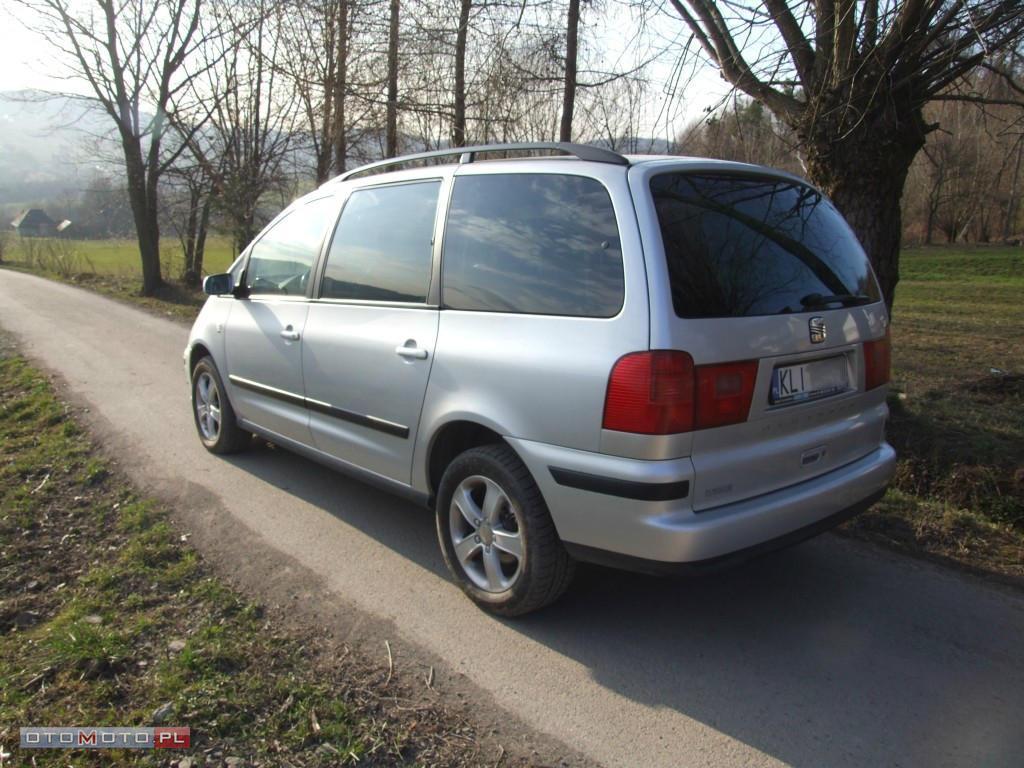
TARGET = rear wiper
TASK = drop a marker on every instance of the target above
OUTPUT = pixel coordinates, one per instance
(846, 299)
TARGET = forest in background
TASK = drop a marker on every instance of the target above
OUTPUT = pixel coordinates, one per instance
(218, 113)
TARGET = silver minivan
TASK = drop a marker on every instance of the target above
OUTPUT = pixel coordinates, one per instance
(657, 363)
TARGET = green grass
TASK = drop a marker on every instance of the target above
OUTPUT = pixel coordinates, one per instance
(957, 407)
(107, 615)
(112, 267)
(120, 258)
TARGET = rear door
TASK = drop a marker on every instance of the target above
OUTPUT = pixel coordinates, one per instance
(759, 269)
(371, 332)
(264, 333)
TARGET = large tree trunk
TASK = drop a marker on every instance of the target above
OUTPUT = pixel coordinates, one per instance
(873, 212)
(572, 27)
(459, 122)
(865, 174)
(392, 107)
(144, 211)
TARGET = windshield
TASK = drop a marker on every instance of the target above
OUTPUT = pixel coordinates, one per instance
(739, 246)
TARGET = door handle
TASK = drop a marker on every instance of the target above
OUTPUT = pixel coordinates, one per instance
(414, 353)
(289, 333)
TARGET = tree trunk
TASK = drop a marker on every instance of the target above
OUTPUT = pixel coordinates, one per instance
(865, 177)
(459, 123)
(195, 237)
(929, 228)
(245, 230)
(143, 204)
(1013, 201)
(572, 27)
(340, 86)
(392, 107)
(200, 250)
(189, 276)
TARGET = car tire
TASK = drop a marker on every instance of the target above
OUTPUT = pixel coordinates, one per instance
(496, 533)
(212, 412)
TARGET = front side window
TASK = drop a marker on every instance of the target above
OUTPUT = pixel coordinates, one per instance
(740, 246)
(383, 247)
(280, 261)
(532, 243)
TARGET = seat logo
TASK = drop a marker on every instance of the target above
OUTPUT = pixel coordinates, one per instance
(816, 326)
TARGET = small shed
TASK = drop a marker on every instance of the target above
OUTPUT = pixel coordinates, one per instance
(34, 222)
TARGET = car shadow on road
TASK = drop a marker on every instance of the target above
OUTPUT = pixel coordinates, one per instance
(829, 653)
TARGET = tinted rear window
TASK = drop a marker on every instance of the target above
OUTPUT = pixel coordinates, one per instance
(532, 243)
(742, 246)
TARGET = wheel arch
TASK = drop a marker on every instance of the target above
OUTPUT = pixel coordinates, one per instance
(452, 438)
(198, 351)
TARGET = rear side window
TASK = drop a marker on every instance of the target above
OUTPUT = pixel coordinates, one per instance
(382, 248)
(742, 246)
(532, 243)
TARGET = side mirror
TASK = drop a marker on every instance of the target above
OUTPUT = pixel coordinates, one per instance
(218, 285)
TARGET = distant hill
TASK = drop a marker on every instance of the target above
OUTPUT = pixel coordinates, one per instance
(48, 149)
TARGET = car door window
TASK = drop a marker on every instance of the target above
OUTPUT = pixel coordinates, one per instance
(382, 247)
(280, 262)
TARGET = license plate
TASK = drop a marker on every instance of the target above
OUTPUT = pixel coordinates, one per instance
(809, 381)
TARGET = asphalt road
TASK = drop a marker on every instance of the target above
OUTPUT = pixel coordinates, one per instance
(830, 654)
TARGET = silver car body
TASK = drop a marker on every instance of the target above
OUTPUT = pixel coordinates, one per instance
(367, 387)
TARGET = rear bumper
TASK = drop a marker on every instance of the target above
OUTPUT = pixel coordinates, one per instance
(662, 568)
(612, 517)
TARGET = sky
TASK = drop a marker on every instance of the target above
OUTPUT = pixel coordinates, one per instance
(26, 59)
(620, 31)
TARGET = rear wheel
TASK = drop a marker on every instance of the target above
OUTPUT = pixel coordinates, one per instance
(214, 417)
(497, 536)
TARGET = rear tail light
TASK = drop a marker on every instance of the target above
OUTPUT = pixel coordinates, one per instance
(650, 393)
(724, 393)
(662, 392)
(877, 362)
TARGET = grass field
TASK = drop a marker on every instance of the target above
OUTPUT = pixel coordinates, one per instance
(120, 258)
(957, 409)
(957, 401)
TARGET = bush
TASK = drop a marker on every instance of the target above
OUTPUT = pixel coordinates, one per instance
(31, 249)
(54, 254)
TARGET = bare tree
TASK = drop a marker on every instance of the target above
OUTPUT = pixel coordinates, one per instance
(133, 56)
(252, 127)
(391, 148)
(743, 130)
(572, 32)
(187, 202)
(851, 78)
(339, 90)
(459, 118)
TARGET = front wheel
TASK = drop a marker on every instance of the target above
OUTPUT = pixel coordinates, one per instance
(497, 536)
(214, 417)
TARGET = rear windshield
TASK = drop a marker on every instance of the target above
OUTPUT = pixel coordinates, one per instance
(740, 246)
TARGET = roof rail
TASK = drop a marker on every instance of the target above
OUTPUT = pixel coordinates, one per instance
(468, 155)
